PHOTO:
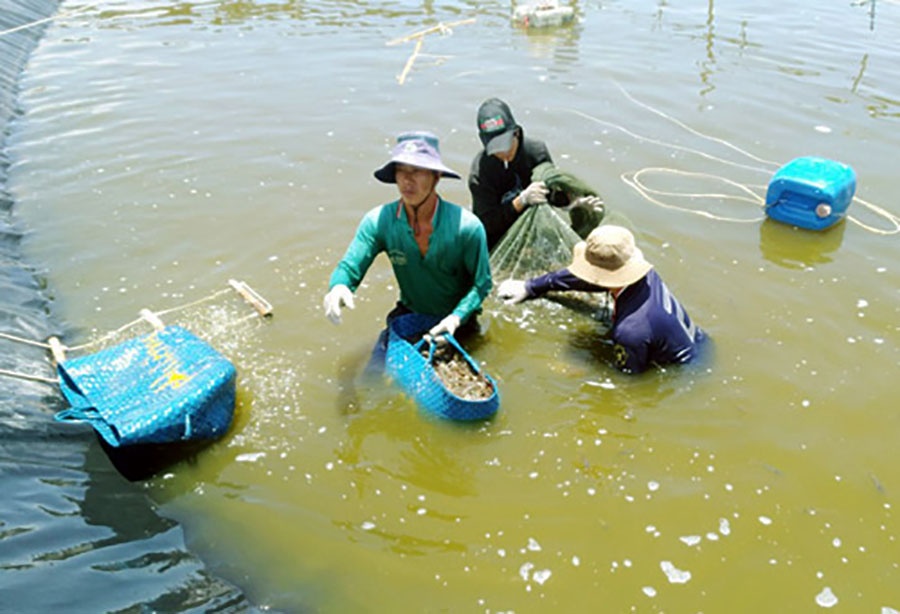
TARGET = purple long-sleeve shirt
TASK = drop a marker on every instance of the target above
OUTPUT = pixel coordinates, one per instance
(649, 324)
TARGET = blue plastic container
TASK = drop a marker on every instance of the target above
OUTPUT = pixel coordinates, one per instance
(811, 193)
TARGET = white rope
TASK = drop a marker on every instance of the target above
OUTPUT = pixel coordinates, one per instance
(695, 132)
(37, 378)
(26, 341)
(112, 334)
(634, 179)
(893, 219)
(119, 330)
(199, 301)
(38, 22)
(664, 144)
(133, 323)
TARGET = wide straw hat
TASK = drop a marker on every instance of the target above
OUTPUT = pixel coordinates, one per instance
(419, 149)
(609, 258)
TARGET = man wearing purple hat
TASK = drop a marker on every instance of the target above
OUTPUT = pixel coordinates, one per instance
(437, 249)
(649, 326)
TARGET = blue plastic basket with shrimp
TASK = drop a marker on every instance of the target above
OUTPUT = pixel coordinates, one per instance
(412, 367)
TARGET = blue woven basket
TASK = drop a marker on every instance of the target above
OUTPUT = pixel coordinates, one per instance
(163, 387)
(415, 374)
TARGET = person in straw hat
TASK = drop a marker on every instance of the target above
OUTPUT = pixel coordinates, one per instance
(438, 250)
(649, 325)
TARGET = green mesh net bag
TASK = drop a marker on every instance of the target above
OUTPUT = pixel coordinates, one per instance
(541, 241)
(563, 188)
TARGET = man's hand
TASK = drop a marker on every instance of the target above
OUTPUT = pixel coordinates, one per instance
(592, 203)
(446, 326)
(512, 291)
(337, 297)
(534, 194)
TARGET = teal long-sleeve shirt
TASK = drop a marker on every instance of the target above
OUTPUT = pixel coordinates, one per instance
(454, 275)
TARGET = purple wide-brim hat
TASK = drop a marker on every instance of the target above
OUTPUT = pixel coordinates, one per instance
(419, 150)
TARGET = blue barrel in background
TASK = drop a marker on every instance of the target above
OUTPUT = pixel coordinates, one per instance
(811, 192)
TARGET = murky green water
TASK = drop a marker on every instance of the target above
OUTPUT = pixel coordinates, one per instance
(163, 150)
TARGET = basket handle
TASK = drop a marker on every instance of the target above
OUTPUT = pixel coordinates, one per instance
(426, 339)
(452, 340)
(92, 417)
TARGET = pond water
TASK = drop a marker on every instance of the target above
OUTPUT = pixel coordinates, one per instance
(164, 149)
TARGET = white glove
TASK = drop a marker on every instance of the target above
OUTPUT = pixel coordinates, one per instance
(587, 202)
(512, 291)
(448, 325)
(337, 297)
(534, 194)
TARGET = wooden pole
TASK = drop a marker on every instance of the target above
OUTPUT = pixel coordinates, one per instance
(153, 319)
(402, 77)
(420, 39)
(252, 296)
(441, 27)
(56, 348)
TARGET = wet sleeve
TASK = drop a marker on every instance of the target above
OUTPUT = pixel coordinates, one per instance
(560, 281)
(365, 246)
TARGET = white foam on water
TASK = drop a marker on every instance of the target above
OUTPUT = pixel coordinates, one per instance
(675, 575)
(249, 457)
(826, 598)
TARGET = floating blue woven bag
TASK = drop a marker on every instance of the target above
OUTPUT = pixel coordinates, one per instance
(163, 387)
(415, 373)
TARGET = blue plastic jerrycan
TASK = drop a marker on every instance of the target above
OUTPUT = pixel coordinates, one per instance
(811, 192)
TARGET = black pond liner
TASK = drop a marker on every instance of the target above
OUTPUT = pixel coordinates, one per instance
(76, 533)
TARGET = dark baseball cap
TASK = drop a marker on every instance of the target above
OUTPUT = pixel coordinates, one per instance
(496, 126)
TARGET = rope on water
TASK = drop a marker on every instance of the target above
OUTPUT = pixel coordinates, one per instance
(695, 132)
(36, 378)
(39, 344)
(892, 218)
(262, 309)
(634, 179)
(133, 323)
(57, 17)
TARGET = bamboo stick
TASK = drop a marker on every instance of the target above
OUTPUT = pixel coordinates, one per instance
(262, 306)
(56, 348)
(154, 320)
(402, 77)
(441, 27)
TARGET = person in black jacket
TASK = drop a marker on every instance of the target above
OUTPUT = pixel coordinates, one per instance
(500, 179)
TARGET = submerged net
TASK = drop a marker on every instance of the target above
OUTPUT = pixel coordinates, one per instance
(541, 241)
